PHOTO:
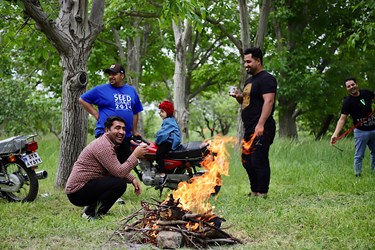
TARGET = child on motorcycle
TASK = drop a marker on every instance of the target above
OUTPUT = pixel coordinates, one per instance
(167, 138)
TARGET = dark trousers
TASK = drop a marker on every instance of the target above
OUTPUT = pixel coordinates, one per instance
(123, 151)
(256, 163)
(162, 150)
(99, 195)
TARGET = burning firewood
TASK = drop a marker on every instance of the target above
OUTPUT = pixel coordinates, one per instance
(151, 223)
(185, 218)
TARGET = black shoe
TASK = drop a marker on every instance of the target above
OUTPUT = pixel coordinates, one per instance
(358, 175)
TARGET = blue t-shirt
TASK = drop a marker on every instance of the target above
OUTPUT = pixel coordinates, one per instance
(114, 101)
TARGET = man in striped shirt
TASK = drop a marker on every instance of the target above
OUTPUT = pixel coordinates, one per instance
(98, 179)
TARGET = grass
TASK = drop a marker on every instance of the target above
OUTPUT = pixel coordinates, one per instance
(314, 202)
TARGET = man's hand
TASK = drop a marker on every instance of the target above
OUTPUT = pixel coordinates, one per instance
(137, 187)
(140, 151)
(259, 130)
(333, 139)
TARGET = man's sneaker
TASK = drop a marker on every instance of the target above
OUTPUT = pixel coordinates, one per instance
(120, 201)
(89, 217)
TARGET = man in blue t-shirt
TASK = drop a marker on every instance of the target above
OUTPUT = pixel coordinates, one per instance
(358, 104)
(115, 98)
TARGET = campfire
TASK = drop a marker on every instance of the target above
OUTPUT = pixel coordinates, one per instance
(185, 218)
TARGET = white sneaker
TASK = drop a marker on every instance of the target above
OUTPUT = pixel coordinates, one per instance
(120, 201)
(88, 217)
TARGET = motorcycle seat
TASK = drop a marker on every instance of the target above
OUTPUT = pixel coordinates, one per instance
(12, 144)
(188, 150)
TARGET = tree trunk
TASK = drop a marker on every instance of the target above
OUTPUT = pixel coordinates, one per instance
(181, 36)
(134, 69)
(72, 34)
(74, 117)
(245, 43)
(327, 121)
(263, 21)
(287, 123)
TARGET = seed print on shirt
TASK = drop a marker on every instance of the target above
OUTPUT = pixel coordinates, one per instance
(122, 102)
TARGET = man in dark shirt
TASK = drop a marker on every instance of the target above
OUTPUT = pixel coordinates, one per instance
(258, 104)
(98, 179)
(358, 105)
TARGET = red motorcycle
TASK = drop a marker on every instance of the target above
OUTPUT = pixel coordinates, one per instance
(181, 164)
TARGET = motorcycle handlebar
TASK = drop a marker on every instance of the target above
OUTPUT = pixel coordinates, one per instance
(139, 139)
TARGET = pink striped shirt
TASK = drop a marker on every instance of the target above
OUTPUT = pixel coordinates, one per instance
(98, 159)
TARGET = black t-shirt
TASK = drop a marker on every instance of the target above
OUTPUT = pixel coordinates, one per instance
(359, 107)
(255, 87)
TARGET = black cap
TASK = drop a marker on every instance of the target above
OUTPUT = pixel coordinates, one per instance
(115, 68)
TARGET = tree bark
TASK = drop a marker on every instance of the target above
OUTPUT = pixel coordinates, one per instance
(72, 34)
(263, 21)
(323, 130)
(245, 42)
(74, 118)
(287, 122)
(182, 34)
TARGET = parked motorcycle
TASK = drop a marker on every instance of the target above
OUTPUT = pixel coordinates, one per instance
(181, 164)
(18, 161)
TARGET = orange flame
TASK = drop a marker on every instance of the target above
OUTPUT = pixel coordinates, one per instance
(246, 145)
(194, 195)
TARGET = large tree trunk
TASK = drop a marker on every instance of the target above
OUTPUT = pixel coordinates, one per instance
(72, 34)
(181, 36)
(263, 21)
(288, 42)
(73, 116)
(133, 59)
(287, 122)
(245, 43)
(134, 69)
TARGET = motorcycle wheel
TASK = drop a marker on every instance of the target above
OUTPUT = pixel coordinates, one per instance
(27, 177)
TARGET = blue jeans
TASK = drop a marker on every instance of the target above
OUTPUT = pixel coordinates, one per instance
(361, 140)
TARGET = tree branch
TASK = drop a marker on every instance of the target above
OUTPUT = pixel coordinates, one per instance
(234, 40)
(46, 25)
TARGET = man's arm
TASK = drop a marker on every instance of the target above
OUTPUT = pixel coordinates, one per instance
(135, 124)
(269, 100)
(339, 125)
(89, 108)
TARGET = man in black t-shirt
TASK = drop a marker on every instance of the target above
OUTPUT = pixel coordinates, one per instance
(358, 105)
(258, 104)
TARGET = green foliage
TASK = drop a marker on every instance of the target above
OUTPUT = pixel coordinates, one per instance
(26, 109)
(151, 123)
(314, 202)
(30, 77)
(318, 49)
(214, 114)
(322, 42)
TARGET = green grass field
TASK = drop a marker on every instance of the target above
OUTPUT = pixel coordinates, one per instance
(314, 202)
